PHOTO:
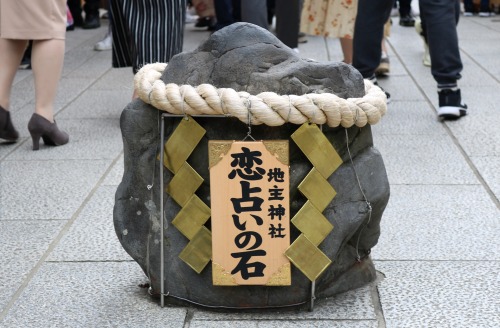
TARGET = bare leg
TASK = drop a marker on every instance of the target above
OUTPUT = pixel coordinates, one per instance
(346, 45)
(47, 62)
(11, 53)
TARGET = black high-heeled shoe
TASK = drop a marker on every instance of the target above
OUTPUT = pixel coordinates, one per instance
(7, 130)
(39, 126)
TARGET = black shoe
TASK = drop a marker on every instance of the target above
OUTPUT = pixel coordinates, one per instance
(208, 22)
(387, 94)
(450, 105)
(91, 22)
(407, 20)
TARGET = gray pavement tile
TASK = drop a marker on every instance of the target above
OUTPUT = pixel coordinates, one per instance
(97, 104)
(193, 37)
(489, 64)
(88, 139)
(22, 243)
(439, 223)
(285, 324)
(92, 236)
(420, 73)
(423, 159)
(46, 190)
(456, 294)
(482, 101)
(401, 88)
(115, 176)
(95, 67)
(408, 118)
(319, 324)
(69, 88)
(477, 137)
(7, 147)
(22, 93)
(116, 79)
(488, 169)
(352, 305)
(90, 295)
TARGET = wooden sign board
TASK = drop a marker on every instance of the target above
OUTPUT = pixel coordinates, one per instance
(250, 205)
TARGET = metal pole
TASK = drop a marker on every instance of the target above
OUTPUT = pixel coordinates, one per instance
(162, 260)
(313, 290)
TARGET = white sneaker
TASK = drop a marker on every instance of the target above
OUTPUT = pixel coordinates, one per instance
(468, 14)
(104, 44)
(486, 14)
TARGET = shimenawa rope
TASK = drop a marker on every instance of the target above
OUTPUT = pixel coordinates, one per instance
(266, 108)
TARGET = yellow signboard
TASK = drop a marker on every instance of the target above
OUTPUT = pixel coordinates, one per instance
(250, 205)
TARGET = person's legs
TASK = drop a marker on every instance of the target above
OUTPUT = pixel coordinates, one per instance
(92, 19)
(405, 16)
(288, 22)
(224, 13)
(468, 7)
(47, 61)
(404, 7)
(255, 12)
(368, 34)
(439, 19)
(346, 45)
(11, 52)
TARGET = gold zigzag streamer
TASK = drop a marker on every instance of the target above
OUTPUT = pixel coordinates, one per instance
(304, 252)
(194, 212)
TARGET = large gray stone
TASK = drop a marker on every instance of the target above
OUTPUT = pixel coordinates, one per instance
(246, 57)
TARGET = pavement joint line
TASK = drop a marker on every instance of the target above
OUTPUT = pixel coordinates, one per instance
(377, 304)
(450, 133)
(56, 241)
(90, 261)
(188, 318)
(481, 66)
(430, 260)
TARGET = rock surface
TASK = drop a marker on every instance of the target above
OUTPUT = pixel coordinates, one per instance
(248, 58)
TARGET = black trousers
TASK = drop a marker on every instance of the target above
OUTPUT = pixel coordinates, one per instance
(439, 21)
(288, 22)
(368, 34)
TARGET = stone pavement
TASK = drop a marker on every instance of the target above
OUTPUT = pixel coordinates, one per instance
(438, 256)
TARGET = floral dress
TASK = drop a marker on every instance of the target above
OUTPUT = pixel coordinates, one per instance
(330, 18)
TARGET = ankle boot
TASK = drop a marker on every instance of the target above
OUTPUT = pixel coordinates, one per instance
(7, 130)
(39, 126)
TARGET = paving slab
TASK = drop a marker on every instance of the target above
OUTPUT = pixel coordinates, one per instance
(355, 305)
(285, 324)
(408, 118)
(439, 222)
(46, 190)
(92, 236)
(97, 104)
(22, 245)
(458, 294)
(423, 159)
(89, 139)
(488, 168)
(90, 295)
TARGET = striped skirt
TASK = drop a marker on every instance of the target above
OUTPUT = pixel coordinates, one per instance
(146, 31)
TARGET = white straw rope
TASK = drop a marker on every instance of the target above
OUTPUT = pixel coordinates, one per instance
(267, 107)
